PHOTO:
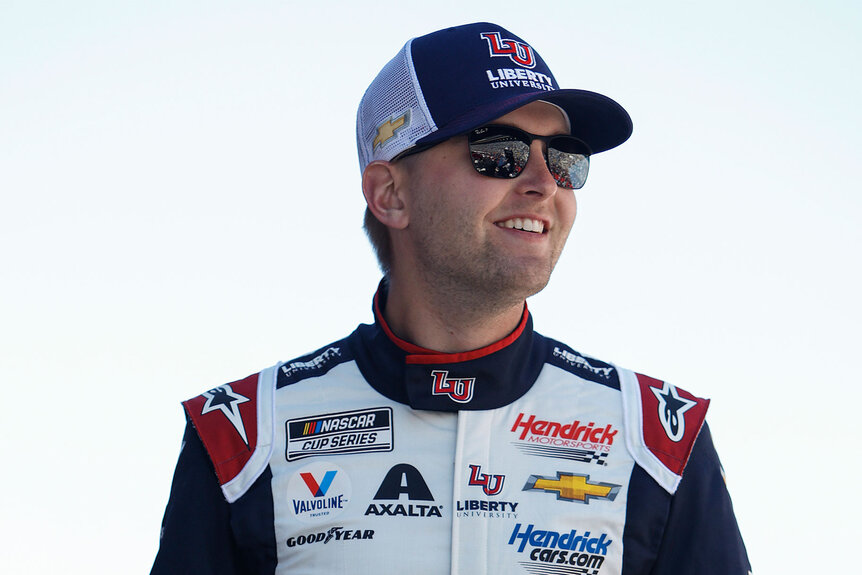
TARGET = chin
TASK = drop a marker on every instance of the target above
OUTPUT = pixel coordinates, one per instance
(522, 285)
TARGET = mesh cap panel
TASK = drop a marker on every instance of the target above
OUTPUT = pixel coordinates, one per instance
(392, 114)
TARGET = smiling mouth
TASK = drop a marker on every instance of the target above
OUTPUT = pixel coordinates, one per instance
(524, 224)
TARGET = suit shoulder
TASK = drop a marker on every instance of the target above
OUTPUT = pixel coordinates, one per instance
(235, 424)
(662, 423)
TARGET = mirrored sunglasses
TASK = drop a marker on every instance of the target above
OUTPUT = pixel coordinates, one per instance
(503, 152)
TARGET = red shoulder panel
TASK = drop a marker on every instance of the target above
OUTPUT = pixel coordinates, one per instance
(672, 419)
(226, 421)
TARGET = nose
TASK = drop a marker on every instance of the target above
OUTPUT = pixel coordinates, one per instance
(536, 179)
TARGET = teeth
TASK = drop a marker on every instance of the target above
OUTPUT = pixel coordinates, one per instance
(528, 225)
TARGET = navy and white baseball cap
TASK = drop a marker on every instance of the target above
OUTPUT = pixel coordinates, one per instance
(451, 81)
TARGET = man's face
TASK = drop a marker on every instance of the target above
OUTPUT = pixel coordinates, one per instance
(470, 231)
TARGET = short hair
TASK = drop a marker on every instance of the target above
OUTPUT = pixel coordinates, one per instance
(378, 235)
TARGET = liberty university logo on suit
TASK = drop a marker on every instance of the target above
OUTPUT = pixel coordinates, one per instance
(458, 389)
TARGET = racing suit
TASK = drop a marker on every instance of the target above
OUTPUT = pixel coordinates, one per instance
(373, 455)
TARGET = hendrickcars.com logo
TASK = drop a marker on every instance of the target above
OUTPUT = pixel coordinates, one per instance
(572, 552)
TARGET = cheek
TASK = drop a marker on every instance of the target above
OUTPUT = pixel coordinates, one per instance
(567, 207)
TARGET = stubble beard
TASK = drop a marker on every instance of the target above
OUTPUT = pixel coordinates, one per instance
(481, 283)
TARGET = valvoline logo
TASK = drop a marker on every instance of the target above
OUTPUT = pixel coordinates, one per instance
(518, 52)
(319, 491)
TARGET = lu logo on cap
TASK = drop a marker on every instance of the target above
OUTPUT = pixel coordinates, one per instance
(518, 52)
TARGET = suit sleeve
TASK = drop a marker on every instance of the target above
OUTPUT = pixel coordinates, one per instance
(196, 535)
(701, 536)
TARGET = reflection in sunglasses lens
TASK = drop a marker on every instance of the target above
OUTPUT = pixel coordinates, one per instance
(500, 159)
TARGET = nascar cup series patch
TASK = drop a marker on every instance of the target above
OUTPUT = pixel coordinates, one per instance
(359, 431)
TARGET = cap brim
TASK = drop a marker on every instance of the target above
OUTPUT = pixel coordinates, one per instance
(597, 120)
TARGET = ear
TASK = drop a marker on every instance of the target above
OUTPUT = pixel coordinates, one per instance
(383, 195)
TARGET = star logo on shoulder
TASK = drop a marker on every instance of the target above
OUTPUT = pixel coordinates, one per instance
(226, 400)
(671, 410)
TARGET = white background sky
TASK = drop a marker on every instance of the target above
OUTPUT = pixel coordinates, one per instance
(180, 207)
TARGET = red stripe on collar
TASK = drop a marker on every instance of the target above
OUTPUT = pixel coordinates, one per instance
(421, 355)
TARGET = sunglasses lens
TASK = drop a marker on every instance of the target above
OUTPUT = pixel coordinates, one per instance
(498, 152)
(569, 169)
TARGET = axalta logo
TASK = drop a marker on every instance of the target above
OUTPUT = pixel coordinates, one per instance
(572, 487)
(360, 431)
(573, 552)
(318, 491)
(404, 479)
(334, 534)
(520, 53)
(458, 389)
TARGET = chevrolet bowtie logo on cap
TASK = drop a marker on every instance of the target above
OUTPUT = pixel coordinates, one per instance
(387, 130)
(573, 487)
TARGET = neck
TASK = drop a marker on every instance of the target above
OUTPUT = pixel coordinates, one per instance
(448, 320)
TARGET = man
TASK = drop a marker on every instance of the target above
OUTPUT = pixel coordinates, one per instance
(449, 436)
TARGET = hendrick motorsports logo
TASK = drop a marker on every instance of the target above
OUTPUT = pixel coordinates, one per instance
(318, 491)
(360, 431)
(572, 552)
(584, 443)
(573, 487)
